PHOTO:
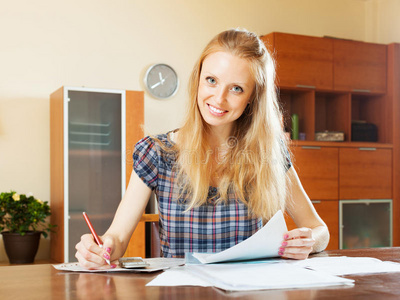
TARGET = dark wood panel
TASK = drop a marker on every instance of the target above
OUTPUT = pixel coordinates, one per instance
(302, 60)
(57, 174)
(365, 174)
(318, 171)
(359, 66)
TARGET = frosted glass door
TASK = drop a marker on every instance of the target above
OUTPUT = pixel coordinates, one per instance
(94, 161)
(365, 223)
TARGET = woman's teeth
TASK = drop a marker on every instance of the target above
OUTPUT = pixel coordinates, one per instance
(218, 111)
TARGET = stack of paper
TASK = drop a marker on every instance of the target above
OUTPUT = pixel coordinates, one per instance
(245, 277)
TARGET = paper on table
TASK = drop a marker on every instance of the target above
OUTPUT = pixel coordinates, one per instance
(156, 264)
(344, 265)
(179, 276)
(264, 243)
(246, 277)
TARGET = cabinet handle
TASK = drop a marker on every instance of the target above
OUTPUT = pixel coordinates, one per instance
(361, 91)
(367, 149)
(305, 86)
(311, 147)
(315, 201)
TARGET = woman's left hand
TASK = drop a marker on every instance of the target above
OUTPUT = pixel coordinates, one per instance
(297, 243)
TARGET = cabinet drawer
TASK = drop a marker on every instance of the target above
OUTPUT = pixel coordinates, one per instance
(317, 168)
(365, 173)
(328, 210)
(359, 66)
(302, 60)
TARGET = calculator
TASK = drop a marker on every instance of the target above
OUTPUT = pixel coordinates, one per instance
(132, 262)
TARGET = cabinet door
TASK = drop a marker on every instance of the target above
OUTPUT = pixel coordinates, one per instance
(365, 173)
(317, 168)
(302, 60)
(359, 66)
(328, 210)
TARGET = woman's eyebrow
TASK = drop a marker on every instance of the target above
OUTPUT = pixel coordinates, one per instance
(215, 76)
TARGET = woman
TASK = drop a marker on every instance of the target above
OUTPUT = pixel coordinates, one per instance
(224, 172)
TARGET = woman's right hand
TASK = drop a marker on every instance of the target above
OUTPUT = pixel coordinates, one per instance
(93, 257)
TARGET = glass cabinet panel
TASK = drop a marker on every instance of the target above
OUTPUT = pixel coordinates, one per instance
(94, 161)
(365, 223)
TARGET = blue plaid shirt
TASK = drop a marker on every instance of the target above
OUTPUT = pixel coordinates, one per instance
(213, 227)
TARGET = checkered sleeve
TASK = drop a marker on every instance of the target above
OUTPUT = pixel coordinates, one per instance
(146, 161)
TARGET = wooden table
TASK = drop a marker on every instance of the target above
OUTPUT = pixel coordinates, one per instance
(44, 282)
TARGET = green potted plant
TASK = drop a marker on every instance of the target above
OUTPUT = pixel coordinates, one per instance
(22, 222)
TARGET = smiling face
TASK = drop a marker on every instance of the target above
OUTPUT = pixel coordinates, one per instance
(225, 87)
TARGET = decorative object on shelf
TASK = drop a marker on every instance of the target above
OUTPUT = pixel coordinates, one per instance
(161, 81)
(329, 136)
(362, 131)
(22, 222)
(295, 127)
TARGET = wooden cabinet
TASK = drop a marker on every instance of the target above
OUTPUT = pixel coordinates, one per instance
(91, 131)
(330, 84)
(359, 66)
(318, 170)
(365, 173)
(328, 210)
(302, 61)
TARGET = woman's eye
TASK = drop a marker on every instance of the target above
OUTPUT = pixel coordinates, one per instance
(237, 89)
(210, 80)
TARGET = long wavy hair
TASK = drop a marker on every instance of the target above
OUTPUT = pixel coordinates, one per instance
(254, 167)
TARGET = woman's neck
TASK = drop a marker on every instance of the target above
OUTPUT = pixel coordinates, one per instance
(218, 137)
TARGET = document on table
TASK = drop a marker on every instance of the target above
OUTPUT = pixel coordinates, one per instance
(263, 244)
(246, 277)
(344, 265)
(156, 264)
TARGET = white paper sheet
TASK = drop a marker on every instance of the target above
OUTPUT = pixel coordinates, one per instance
(344, 265)
(179, 276)
(156, 264)
(245, 277)
(264, 243)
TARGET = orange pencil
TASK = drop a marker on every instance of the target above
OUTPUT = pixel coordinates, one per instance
(95, 236)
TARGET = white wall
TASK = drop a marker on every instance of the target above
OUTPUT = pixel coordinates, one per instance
(46, 44)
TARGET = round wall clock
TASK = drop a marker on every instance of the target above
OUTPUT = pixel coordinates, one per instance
(161, 81)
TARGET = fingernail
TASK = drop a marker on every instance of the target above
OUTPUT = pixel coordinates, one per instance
(106, 256)
(113, 266)
(280, 253)
(108, 249)
(286, 236)
(281, 250)
(284, 244)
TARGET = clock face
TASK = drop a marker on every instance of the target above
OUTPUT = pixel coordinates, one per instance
(161, 81)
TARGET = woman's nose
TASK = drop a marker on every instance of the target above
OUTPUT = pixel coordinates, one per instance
(220, 94)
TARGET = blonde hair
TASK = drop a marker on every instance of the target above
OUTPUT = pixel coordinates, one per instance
(254, 168)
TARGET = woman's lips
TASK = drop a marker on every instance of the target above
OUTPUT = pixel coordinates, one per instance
(216, 111)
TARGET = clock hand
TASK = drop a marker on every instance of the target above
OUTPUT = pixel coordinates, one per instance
(156, 85)
(160, 75)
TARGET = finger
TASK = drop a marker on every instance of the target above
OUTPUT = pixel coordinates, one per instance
(296, 253)
(91, 265)
(308, 242)
(90, 251)
(84, 255)
(89, 243)
(108, 244)
(302, 232)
